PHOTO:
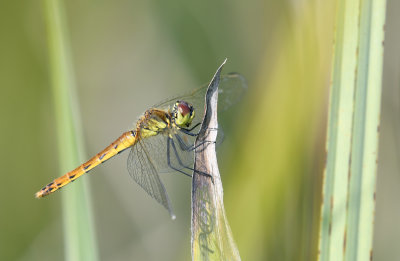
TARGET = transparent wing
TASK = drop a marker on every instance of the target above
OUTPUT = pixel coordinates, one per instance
(172, 151)
(231, 89)
(173, 155)
(142, 169)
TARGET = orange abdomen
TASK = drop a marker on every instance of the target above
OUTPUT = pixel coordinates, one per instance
(126, 140)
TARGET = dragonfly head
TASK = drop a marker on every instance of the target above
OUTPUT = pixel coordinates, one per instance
(183, 114)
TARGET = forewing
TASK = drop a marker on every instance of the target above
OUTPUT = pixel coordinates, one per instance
(231, 89)
(143, 171)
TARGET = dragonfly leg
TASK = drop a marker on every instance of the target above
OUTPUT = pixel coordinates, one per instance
(195, 126)
(171, 141)
(188, 131)
(186, 147)
(169, 158)
(183, 145)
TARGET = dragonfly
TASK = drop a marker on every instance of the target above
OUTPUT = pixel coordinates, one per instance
(161, 141)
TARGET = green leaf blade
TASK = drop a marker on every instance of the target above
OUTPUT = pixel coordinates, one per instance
(349, 187)
(79, 234)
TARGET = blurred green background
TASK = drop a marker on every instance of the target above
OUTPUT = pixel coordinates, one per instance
(128, 55)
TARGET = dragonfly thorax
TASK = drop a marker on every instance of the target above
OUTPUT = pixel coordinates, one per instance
(182, 114)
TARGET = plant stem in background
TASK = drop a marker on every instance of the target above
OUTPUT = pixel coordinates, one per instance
(349, 184)
(80, 242)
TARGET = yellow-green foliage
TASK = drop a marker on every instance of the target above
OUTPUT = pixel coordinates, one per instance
(271, 201)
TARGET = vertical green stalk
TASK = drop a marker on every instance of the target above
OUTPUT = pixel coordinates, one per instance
(349, 184)
(80, 243)
(365, 131)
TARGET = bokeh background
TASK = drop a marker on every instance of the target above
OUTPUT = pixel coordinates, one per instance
(128, 55)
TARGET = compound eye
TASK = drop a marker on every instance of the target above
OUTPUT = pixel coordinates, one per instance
(184, 108)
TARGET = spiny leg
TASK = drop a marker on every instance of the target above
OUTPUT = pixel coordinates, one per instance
(171, 141)
(186, 147)
(189, 131)
(195, 126)
(169, 159)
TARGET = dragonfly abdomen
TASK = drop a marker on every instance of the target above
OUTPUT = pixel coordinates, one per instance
(125, 141)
